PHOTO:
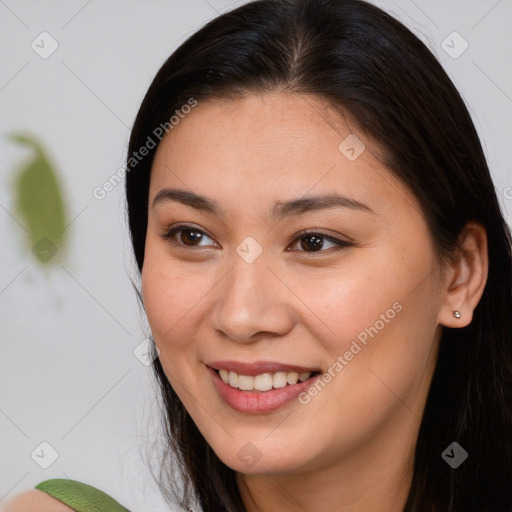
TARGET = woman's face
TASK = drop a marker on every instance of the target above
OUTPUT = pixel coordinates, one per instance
(297, 254)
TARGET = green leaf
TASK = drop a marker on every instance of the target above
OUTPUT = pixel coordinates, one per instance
(40, 202)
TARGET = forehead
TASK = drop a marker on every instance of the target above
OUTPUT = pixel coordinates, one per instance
(259, 148)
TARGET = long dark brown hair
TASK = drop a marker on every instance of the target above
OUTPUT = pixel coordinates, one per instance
(365, 63)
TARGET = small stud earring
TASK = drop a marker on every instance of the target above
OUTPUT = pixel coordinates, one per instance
(456, 314)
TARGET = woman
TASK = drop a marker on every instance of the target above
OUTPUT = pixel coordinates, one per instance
(325, 269)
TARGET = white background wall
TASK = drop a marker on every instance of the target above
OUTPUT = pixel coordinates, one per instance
(68, 375)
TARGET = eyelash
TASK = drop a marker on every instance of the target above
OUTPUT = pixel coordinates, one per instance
(339, 244)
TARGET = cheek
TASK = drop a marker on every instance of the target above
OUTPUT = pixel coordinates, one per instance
(378, 312)
(350, 303)
(172, 299)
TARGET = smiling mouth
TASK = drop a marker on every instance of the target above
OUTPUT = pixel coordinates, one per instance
(265, 381)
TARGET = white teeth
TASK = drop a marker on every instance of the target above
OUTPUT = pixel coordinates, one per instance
(245, 382)
(233, 379)
(279, 380)
(292, 378)
(264, 381)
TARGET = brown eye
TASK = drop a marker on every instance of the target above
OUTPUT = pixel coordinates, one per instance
(315, 242)
(312, 242)
(189, 236)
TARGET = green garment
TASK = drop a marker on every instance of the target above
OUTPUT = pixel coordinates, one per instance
(79, 496)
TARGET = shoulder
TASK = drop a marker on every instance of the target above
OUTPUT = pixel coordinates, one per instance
(34, 501)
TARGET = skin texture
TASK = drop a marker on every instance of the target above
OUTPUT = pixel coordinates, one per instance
(35, 500)
(350, 448)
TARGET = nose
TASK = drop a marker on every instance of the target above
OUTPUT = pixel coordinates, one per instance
(252, 303)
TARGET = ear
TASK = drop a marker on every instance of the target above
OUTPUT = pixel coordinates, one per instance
(465, 277)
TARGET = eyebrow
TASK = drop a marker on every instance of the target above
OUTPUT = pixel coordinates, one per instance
(280, 210)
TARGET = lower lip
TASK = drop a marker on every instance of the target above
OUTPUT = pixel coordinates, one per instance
(259, 402)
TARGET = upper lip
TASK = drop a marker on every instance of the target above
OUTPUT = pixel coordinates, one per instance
(258, 368)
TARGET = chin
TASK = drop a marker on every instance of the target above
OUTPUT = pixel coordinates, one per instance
(253, 455)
